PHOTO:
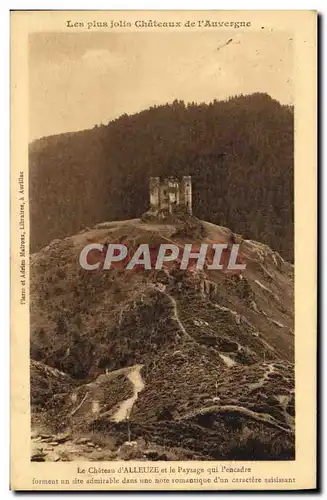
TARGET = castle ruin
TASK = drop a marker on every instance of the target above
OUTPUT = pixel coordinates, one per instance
(170, 195)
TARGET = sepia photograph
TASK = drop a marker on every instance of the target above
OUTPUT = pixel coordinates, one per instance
(163, 250)
(161, 139)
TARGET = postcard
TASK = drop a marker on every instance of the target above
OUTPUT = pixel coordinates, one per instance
(163, 250)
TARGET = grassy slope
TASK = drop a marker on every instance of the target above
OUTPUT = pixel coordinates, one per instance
(208, 339)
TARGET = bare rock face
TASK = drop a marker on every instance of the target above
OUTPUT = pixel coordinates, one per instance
(187, 364)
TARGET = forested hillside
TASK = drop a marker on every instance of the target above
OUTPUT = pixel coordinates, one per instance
(239, 153)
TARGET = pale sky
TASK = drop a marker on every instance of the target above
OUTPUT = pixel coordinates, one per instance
(79, 80)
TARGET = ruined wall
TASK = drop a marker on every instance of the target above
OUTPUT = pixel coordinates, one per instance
(186, 188)
(173, 194)
(164, 198)
(154, 189)
(168, 194)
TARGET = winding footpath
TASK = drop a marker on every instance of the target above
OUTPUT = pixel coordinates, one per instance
(126, 406)
(259, 417)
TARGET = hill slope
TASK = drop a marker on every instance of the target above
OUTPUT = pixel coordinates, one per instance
(239, 153)
(190, 364)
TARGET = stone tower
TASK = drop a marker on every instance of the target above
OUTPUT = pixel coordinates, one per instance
(186, 192)
(170, 195)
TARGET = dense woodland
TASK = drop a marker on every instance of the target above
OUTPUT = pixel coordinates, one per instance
(239, 153)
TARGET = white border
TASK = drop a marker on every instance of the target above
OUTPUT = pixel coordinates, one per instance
(4, 184)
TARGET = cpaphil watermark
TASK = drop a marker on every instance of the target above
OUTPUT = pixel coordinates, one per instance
(212, 256)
